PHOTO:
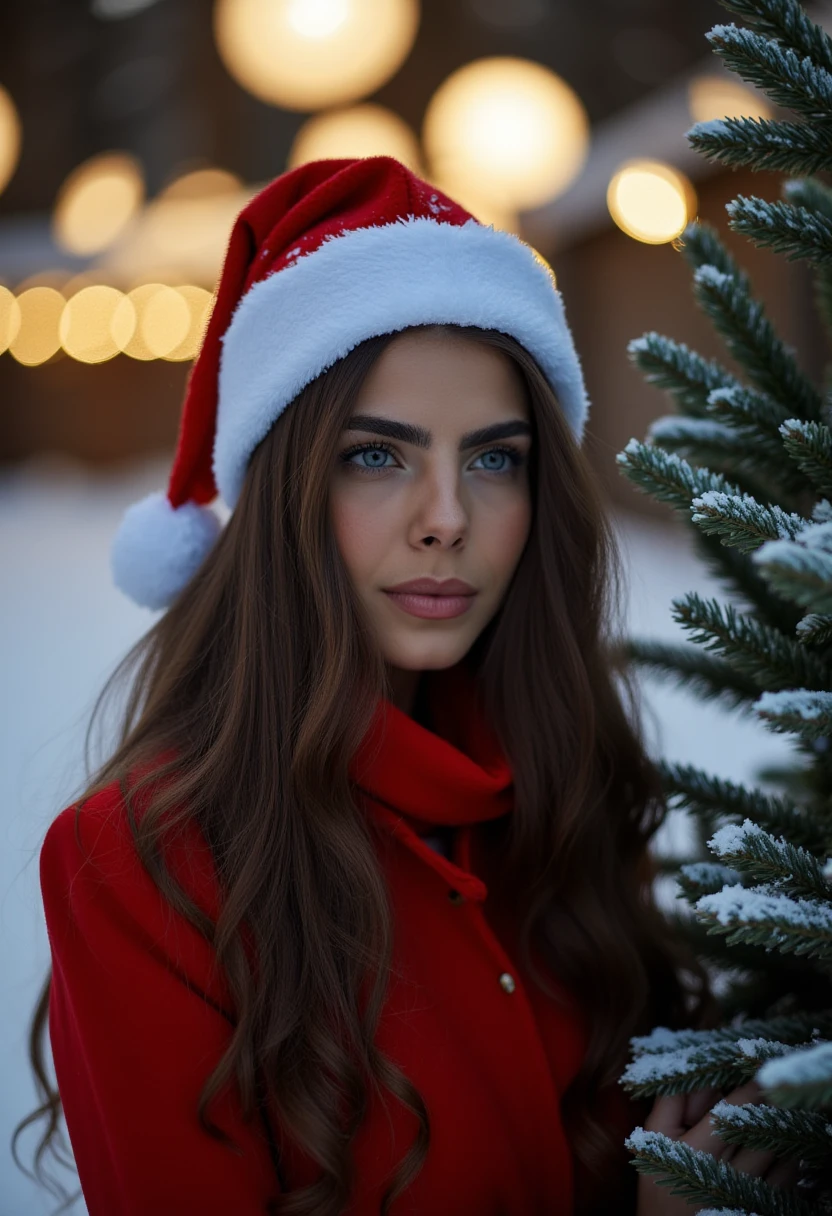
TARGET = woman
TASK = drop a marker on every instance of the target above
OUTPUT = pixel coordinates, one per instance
(358, 917)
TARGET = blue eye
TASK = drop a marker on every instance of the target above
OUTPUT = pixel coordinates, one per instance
(514, 456)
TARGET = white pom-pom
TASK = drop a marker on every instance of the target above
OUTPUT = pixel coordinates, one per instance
(158, 549)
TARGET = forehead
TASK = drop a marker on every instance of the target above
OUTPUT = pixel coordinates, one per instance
(424, 370)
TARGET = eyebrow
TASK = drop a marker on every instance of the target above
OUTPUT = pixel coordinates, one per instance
(408, 432)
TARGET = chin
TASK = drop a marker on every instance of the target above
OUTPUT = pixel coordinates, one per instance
(433, 654)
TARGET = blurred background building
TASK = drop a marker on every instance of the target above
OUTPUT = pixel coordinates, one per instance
(133, 131)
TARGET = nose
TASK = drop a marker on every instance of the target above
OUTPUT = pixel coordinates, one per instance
(441, 511)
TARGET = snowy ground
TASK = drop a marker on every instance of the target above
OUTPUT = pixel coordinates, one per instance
(65, 628)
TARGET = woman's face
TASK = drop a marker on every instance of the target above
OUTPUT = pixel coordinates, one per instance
(424, 506)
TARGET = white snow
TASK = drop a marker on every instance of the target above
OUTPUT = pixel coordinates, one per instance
(676, 426)
(664, 1148)
(800, 1067)
(711, 872)
(658, 1065)
(725, 1212)
(710, 126)
(711, 275)
(805, 703)
(745, 507)
(738, 1113)
(762, 1046)
(65, 627)
(732, 837)
(740, 905)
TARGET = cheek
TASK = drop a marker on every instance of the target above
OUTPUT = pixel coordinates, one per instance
(507, 534)
(361, 531)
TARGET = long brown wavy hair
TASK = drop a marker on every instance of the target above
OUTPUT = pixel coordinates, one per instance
(263, 677)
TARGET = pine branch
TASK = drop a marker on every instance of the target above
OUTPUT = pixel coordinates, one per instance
(756, 993)
(762, 143)
(815, 630)
(801, 567)
(673, 432)
(757, 651)
(710, 678)
(682, 372)
(808, 192)
(797, 711)
(667, 865)
(787, 21)
(697, 878)
(803, 1078)
(720, 1063)
(742, 522)
(809, 444)
(750, 958)
(757, 419)
(667, 476)
(750, 412)
(700, 245)
(802, 573)
(711, 798)
(751, 850)
(754, 461)
(795, 231)
(813, 194)
(739, 576)
(702, 1178)
(791, 81)
(822, 291)
(753, 342)
(791, 1029)
(770, 1129)
(760, 916)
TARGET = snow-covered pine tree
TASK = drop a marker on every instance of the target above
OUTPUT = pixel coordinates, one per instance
(748, 464)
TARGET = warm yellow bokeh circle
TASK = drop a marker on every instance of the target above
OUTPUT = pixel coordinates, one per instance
(308, 54)
(95, 324)
(651, 201)
(507, 128)
(97, 201)
(37, 338)
(363, 130)
(10, 137)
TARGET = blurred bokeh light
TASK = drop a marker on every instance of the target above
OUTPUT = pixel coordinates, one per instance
(720, 97)
(183, 232)
(92, 322)
(37, 338)
(507, 128)
(9, 318)
(97, 201)
(651, 201)
(308, 54)
(199, 302)
(9, 137)
(362, 130)
(163, 320)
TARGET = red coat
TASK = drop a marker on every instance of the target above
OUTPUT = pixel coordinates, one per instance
(138, 1017)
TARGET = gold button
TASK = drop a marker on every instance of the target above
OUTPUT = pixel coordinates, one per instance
(507, 982)
(455, 897)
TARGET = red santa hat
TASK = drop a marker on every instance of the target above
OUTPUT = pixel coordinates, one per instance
(329, 254)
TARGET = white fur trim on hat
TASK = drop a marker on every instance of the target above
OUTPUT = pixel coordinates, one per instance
(157, 549)
(291, 326)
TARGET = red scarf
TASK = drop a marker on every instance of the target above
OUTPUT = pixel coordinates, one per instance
(455, 771)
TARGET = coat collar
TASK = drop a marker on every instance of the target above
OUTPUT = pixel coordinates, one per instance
(452, 772)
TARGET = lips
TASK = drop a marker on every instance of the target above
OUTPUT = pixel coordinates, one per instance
(433, 586)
